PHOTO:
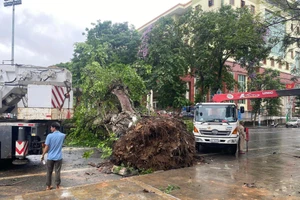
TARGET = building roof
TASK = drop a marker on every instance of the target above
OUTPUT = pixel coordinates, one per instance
(178, 9)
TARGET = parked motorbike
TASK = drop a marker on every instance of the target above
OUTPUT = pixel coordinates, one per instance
(274, 124)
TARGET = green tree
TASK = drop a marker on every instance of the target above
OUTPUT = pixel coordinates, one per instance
(122, 41)
(101, 64)
(106, 43)
(97, 100)
(217, 36)
(268, 80)
(161, 49)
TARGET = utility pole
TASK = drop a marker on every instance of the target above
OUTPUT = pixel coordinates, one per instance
(12, 3)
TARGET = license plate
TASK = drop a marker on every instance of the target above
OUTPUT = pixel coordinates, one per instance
(214, 140)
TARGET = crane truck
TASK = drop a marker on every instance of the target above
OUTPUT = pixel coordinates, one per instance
(215, 123)
(32, 97)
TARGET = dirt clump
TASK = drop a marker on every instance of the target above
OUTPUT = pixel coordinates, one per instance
(156, 143)
(104, 167)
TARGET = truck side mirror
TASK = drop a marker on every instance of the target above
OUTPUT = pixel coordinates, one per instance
(242, 109)
(188, 109)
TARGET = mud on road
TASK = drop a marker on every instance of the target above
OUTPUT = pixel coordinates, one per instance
(21, 179)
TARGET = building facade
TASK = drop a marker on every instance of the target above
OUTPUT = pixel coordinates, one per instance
(265, 9)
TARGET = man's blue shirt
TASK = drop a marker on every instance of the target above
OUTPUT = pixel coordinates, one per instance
(55, 141)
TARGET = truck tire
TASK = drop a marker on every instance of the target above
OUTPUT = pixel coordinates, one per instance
(200, 148)
(233, 149)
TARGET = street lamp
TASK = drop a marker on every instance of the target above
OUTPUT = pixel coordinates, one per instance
(12, 3)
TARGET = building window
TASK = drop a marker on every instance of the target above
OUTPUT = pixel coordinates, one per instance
(231, 2)
(292, 54)
(279, 65)
(252, 9)
(276, 31)
(232, 91)
(292, 27)
(242, 86)
(297, 61)
(242, 83)
(243, 3)
(265, 61)
(272, 62)
(287, 66)
(210, 3)
(298, 30)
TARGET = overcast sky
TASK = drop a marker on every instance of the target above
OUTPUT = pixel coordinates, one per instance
(46, 30)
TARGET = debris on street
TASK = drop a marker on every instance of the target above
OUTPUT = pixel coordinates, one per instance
(103, 167)
(250, 185)
(156, 143)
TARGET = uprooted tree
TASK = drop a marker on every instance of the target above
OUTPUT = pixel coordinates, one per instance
(110, 103)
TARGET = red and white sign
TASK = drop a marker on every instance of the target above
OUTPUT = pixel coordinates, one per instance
(58, 96)
(21, 148)
(245, 95)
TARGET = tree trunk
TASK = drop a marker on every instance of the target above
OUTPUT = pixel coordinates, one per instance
(254, 120)
(119, 123)
(123, 99)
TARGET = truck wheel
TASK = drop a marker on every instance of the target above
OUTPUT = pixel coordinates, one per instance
(233, 149)
(200, 148)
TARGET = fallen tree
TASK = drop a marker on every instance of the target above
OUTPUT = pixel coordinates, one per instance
(157, 143)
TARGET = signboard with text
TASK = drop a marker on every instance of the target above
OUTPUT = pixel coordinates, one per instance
(245, 95)
(256, 95)
(12, 2)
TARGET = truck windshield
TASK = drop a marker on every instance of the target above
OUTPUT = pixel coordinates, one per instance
(215, 113)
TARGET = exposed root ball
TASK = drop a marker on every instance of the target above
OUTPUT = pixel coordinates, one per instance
(156, 143)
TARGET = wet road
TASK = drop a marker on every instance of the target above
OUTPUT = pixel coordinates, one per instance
(271, 165)
(16, 180)
(266, 141)
(270, 170)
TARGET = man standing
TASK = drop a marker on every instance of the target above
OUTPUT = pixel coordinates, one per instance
(242, 134)
(53, 146)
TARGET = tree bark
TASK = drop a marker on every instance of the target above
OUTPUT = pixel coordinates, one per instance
(123, 99)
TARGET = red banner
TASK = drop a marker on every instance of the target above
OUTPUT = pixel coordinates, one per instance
(245, 95)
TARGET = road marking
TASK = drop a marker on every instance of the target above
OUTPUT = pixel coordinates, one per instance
(43, 174)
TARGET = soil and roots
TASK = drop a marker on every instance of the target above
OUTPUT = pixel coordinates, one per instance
(157, 143)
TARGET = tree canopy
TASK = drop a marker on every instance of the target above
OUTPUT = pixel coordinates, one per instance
(161, 49)
(267, 80)
(99, 65)
(106, 43)
(216, 37)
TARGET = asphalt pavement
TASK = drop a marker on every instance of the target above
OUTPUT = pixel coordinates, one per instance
(270, 170)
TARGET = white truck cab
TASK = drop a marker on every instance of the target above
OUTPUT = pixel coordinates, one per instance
(216, 124)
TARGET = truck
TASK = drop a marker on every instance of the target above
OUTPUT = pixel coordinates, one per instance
(32, 98)
(216, 124)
